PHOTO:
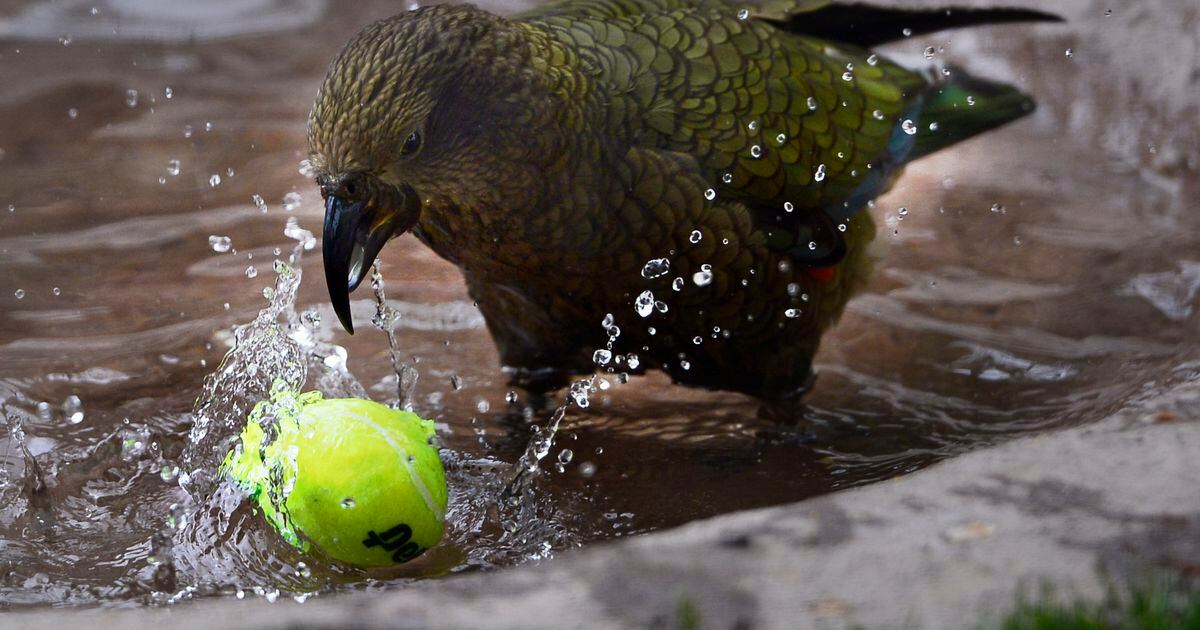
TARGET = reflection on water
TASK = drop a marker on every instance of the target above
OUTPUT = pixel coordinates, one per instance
(1035, 282)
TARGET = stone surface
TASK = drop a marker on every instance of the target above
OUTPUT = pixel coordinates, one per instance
(946, 547)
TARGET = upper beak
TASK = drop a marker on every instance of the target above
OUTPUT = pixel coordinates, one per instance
(352, 238)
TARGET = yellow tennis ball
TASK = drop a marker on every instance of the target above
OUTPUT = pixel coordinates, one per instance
(356, 478)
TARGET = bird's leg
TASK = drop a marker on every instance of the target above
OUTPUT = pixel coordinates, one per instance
(530, 400)
(788, 414)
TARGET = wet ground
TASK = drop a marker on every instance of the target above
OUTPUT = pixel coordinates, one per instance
(1040, 276)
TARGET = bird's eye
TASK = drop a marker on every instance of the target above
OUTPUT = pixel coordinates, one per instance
(412, 144)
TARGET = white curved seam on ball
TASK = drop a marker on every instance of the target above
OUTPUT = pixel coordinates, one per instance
(418, 481)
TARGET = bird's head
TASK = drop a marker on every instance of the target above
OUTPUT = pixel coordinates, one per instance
(391, 132)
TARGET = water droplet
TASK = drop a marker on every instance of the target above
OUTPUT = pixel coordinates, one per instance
(971, 101)
(293, 231)
(482, 406)
(727, 178)
(208, 126)
(1017, 241)
(933, 126)
(902, 211)
(702, 278)
(72, 113)
(173, 167)
(65, 40)
(565, 456)
(788, 206)
(73, 409)
(587, 470)
(877, 114)
(220, 244)
(12, 207)
(872, 60)
(752, 125)
(685, 365)
(251, 272)
(214, 180)
(695, 236)
(632, 361)
(1070, 53)
(710, 194)
(930, 51)
(655, 268)
(998, 208)
(510, 397)
(781, 139)
(756, 151)
(456, 382)
(841, 227)
(601, 357)
(168, 472)
(820, 174)
(792, 313)
(812, 103)
(187, 131)
(847, 76)
(660, 306)
(909, 127)
(133, 445)
(579, 393)
(907, 32)
(19, 294)
(743, 14)
(260, 203)
(291, 201)
(168, 92)
(644, 304)
(793, 289)
(697, 340)
(131, 98)
(56, 291)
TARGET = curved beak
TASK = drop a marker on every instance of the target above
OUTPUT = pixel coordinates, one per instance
(354, 233)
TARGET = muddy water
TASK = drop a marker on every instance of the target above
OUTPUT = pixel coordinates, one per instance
(1038, 277)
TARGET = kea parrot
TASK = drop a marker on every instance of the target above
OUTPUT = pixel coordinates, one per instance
(638, 184)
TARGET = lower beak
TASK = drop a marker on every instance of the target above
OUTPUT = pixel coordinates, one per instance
(352, 239)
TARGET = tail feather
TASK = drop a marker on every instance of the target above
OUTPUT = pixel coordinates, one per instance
(867, 25)
(964, 106)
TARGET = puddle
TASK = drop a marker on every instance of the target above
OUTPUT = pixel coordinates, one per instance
(122, 154)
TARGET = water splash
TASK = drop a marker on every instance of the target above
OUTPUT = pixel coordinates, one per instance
(385, 319)
(278, 344)
(210, 541)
